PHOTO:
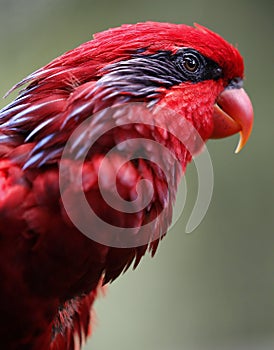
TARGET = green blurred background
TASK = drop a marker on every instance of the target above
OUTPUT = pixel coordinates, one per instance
(212, 289)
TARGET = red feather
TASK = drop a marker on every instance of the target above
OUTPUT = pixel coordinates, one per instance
(51, 272)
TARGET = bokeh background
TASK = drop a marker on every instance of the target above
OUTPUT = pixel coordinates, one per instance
(212, 289)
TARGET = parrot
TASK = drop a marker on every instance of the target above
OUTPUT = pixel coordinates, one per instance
(170, 76)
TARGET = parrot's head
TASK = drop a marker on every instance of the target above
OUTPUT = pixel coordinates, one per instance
(191, 70)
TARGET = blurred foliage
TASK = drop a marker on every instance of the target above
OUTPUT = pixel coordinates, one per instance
(212, 289)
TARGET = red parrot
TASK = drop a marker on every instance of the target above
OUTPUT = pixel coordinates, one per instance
(50, 270)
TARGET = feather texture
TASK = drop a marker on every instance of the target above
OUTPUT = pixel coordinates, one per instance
(50, 271)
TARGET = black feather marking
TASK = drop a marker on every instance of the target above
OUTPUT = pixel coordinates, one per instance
(8, 139)
(12, 108)
(43, 142)
(51, 156)
(43, 157)
(16, 123)
(33, 160)
(143, 75)
(39, 128)
(79, 142)
(76, 113)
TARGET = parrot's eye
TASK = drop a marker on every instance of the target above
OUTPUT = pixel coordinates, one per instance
(195, 67)
(190, 62)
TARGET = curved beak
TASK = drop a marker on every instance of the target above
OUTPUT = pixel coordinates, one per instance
(233, 113)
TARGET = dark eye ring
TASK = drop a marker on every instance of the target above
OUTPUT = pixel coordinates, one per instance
(191, 62)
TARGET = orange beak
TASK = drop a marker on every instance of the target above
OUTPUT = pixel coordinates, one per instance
(233, 113)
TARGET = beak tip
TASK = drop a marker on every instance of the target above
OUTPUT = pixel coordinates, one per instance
(238, 148)
(241, 144)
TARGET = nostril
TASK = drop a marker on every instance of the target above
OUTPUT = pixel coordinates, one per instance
(235, 83)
